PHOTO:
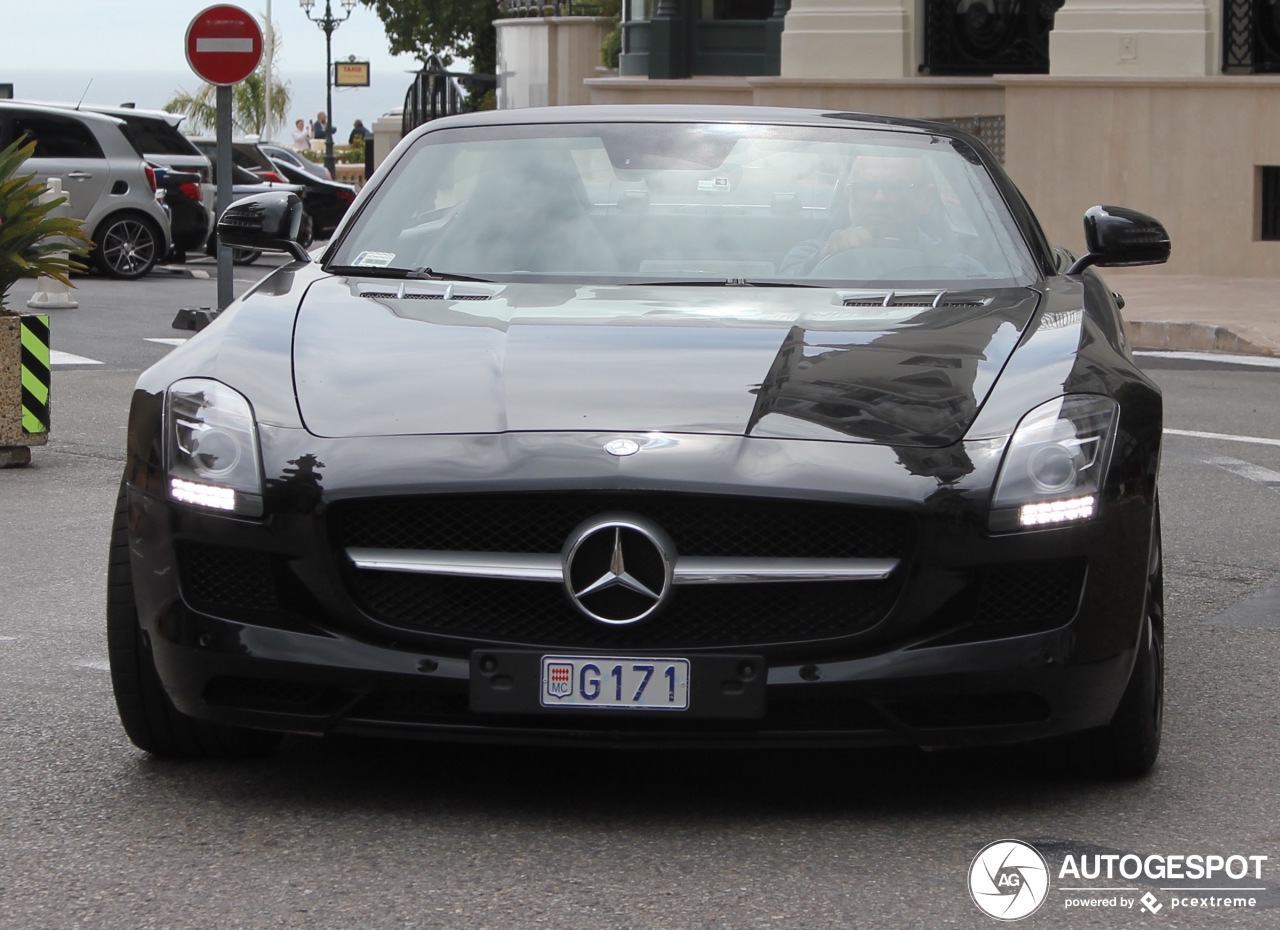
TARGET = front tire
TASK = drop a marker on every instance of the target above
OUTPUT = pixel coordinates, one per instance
(148, 715)
(127, 246)
(1128, 746)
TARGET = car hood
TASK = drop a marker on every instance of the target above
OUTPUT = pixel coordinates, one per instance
(385, 357)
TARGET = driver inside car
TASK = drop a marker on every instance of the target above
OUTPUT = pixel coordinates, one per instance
(892, 202)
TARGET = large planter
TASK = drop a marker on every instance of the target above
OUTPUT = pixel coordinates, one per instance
(24, 386)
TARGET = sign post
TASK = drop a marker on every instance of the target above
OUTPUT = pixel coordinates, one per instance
(224, 45)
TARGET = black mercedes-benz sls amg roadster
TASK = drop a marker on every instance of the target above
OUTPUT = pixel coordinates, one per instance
(654, 426)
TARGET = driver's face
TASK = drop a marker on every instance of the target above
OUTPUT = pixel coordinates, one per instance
(888, 194)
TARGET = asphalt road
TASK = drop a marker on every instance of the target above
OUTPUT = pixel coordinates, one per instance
(358, 834)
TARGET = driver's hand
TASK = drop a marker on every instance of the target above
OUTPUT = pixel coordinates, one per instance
(851, 237)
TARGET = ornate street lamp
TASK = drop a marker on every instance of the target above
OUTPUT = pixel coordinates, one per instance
(327, 24)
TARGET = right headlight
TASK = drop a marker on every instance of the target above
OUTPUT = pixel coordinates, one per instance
(1056, 464)
(211, 448)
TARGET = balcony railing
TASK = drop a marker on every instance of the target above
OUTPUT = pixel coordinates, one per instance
(1250, 36)
(983, 37)
(514, 9)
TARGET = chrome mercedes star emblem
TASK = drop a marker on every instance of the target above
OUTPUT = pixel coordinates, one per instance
(618, 567)
(622, 447)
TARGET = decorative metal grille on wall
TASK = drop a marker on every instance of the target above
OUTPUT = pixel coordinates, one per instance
(1250, 36)
(990, 129)
(983, 37)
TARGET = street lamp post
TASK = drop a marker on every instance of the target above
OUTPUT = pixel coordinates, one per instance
(327, 24)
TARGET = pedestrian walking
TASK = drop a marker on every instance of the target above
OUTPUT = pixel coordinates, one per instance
(301, 135)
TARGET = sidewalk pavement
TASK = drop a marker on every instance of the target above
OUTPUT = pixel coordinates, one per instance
(1199, 313)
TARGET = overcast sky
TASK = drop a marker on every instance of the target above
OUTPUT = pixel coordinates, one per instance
(105, 37)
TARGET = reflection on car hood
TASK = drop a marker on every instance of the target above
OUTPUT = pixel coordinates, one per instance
(385, 357)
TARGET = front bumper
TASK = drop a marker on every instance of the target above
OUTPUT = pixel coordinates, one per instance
(921, 677)
(1004, 691)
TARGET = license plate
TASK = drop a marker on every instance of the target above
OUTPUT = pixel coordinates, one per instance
(615, 682)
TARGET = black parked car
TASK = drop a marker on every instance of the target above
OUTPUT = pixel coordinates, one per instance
(245, 183)
(654, 426)
(281, 153)
(326, 201)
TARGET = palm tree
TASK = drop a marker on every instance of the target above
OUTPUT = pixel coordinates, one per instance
(31, 241)
(248, 107)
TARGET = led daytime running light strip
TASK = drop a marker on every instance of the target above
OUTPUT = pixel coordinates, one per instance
(1076, 508)
(205, 495)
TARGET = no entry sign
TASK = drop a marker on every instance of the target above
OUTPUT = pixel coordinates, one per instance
(224, 44)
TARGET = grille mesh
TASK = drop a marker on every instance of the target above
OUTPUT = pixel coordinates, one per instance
(699, 526)
(1033, 593)
(216, 576)
(533, 613)
(536, 613)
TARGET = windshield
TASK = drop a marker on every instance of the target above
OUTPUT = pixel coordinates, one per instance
(690, 202)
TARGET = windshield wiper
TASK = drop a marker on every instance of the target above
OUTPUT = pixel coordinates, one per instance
(429, 274)
(721, 282)
(417, 274)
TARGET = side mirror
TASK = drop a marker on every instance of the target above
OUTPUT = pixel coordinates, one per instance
(269, 222)
(1117, 237)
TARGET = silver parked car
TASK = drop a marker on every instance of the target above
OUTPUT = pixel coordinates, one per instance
(111, 188)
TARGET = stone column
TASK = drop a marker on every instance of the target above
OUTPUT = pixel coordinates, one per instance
(848, 39)
(1142, 38)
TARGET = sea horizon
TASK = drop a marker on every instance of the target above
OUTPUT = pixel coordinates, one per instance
(151, 90)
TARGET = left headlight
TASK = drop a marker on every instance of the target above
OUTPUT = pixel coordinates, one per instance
(1055, 467)
(211, 448)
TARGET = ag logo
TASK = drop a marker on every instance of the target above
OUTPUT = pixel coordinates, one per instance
(1009, 880)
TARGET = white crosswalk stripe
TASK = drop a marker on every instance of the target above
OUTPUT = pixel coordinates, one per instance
(1263, 476)
(1252, 361)
(1223, 437)
(66, 358)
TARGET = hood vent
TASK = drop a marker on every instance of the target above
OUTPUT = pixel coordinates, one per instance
(443, 290)
(886, 299)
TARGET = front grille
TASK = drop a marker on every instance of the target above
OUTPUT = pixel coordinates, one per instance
(1035, 593)
(699, 526)
(697, 616)
(420, 296)
(814, 714)
(219, 578)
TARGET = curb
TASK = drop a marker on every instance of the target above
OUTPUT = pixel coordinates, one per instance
(1198, 337)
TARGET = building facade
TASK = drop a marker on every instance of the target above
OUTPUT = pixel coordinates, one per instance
(1165, 106)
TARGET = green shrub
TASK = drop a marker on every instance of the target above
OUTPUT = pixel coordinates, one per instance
(611, 47)
(32, 242)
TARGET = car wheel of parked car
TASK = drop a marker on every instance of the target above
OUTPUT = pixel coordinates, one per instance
(127, 246)
(245, 256)
(1129, 745)
(149, 717)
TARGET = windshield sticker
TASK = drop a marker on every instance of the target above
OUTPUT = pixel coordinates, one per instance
(374, 259)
